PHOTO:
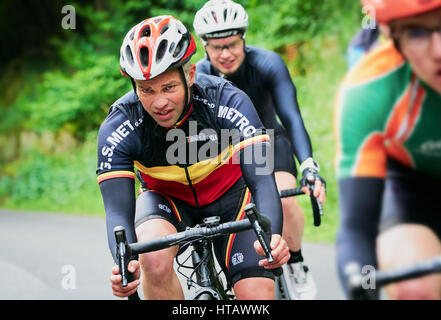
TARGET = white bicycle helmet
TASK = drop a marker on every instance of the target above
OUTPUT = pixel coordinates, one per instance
(220, 19)
(154, 46)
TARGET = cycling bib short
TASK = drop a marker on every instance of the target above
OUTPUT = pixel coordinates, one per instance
(235, 253)
(410, 197)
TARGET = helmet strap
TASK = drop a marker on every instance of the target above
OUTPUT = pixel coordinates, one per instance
(187, 97)
(133, 85)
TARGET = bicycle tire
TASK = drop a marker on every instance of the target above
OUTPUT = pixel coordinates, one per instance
(206, 296)
(282, 292)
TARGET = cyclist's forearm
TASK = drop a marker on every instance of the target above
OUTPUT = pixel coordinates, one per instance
(289, 113)
(119, 203)
(300, 139)
(261, 182)
(266, 198)
(360, 207)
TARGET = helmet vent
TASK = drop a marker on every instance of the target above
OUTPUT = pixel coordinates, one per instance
(144, 56)
(146, 32)
(162, 48)
(181, 47)
(225, 14)
(164, 29)
(132, 35)
(214, 16)
(172, 46)
(129, 56)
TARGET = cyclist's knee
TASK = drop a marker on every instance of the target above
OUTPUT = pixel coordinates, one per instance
(290, 206)
(255, 289)
(419, 289)
(157, 265)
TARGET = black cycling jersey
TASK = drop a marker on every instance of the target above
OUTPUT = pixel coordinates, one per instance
(265, 78)
(196, 161)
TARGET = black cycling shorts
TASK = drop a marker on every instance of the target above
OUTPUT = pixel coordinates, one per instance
(284, 154)
(410, 197)
(235, 253)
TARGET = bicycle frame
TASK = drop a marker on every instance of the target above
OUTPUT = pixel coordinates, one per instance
(208, 285)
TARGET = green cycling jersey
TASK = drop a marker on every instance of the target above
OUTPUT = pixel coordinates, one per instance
(385, 111)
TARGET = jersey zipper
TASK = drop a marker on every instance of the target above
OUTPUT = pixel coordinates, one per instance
(191, 186)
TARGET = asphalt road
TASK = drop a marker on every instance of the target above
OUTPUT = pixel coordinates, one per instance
(55, 256)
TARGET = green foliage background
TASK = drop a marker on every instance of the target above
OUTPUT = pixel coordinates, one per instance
(57, 86)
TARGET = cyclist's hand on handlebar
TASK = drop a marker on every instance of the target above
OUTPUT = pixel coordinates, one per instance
(115, 280)
(279, 251)
(309, 178)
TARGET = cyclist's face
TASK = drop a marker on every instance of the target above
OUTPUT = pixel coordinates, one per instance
(163, 96)
(420, 42)
(226, 54)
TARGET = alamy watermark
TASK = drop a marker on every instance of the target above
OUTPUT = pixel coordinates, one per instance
(368, 21)
(230, 147)
(241, 145)
(69, 280)
(368, 277)
(69, 19)
(361, 276)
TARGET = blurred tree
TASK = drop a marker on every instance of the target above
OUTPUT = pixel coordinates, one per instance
(65, 79)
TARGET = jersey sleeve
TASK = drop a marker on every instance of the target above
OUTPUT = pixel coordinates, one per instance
(236, 113)
(117, 147)
(284, 94)
(359, 125)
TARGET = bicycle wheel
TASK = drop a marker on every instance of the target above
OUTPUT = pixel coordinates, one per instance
(282, 292)
(206, 296)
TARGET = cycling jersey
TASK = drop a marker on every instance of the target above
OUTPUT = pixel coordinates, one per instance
(193, 161)
(385, 114)
(128, 132)
(384, 110)
(265, 78)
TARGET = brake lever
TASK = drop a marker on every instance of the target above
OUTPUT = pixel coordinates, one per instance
(123, 253)
(317, 208)
(262, 237)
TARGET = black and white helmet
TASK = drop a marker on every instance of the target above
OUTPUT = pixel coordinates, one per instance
(220, 19)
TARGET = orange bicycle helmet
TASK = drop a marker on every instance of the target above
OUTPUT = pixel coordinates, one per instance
(387, 10)
(154, 46)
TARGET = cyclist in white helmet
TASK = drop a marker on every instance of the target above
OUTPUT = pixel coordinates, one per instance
(262, 74)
